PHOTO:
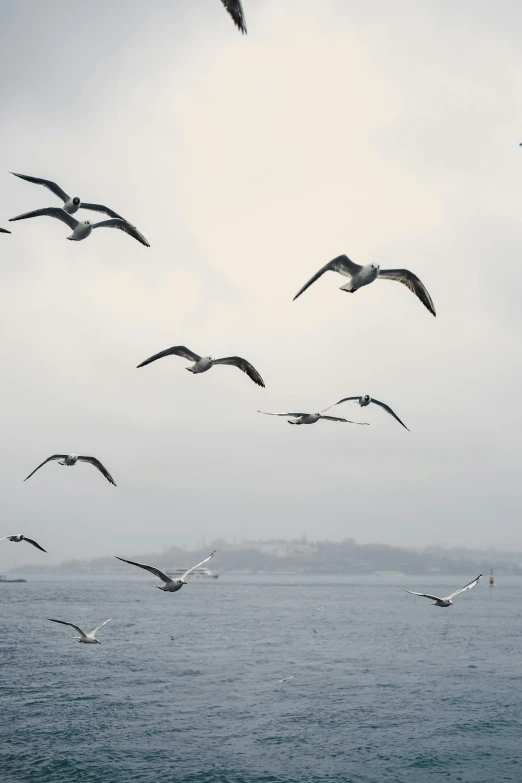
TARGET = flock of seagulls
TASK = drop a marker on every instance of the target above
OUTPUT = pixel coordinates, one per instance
(358, 277)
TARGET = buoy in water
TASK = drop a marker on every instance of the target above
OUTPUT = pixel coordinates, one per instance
(491, 579)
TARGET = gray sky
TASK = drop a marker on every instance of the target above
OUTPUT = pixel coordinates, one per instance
(388, 131)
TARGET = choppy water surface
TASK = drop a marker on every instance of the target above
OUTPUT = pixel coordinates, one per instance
(385, 687)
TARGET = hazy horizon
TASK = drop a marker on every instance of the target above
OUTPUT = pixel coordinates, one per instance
(387, 133)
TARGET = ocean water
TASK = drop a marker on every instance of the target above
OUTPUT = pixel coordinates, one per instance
(385, 688)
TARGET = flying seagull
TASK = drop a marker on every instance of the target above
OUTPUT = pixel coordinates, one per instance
(171, 585)
(285, 679)
(21, 537)
(311, 418)
(71, 204)
(364, 275)
(366, 400)
(4, 231)
(444, 602)
(72, 459)
(82, 229)
(235, 10)
(86, 638)
(204, 363)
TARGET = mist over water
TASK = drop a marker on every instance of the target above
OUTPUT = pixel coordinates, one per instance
(384, 686)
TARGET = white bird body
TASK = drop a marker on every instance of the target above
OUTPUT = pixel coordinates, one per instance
(367, 275)
(72, 205)
(85, 638)
(446, 600)
(202, 365)
(70, 460)
(82, 231)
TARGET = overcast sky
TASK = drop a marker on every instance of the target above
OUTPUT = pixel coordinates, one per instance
(387, 131)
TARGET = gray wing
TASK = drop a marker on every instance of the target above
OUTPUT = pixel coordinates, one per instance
(151, 569)
(462, 589)
(335, 418)
(412, 282)
(198, 564)
(296, 415)
(344, 399)
(97, 627)
(422, 595)
(235, 10)
(176, 350)
(52, 186)
(4, 231)
(54, 212)
(101, 208)
(341, 264)
(49, 459)
(122, 225)
(30, 541)
(389, 410)
(243, 365)
(101, 468)
(62, 622)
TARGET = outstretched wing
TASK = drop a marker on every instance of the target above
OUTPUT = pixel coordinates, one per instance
(55, 212)
(235, 10)
(52, 186)
(152, 569)
(412, 282)
(198, 565)
(176, 350)
(49, 459)
(295, 415)
(101, 468)
(463, 589)
(62, 622)
(389, 410)
(30, 541)
(122, 225)
(243, 365)
(336, 418)
(422, 595)
(101, 208)
(341, 264)
(97, 627)
(4, 231)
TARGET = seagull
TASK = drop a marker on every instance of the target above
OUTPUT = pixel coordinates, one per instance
(70, 204)
(86, 638)
(364, 275)
(204, 363)
(235, 10)
(4, 231)
(21, 537)
(444, 602)
(366, 400)
(311, 418)
(171, 585)
(285, 679)
(82, 229)
(72, 459)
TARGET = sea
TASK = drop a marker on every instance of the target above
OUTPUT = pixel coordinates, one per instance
(261, 679)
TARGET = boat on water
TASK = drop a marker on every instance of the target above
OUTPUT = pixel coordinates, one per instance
(204, 573)
(3, 578)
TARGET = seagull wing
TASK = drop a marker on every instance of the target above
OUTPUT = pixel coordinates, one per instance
(97, 627)
(101, 468)
(348, 421)
(30, 541)
(101, 208)
(55, 212)
(296, 415)
(341, 264)
(62, 622)
(4, 231)
(422, 595)
(176, 350)
(52, 186)
(389, 410)
(152, 569)
(198, 565)
(235, 10)
(243, 365)
(463, 589)
(123, 226)
(412, 282)
(49, 459)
